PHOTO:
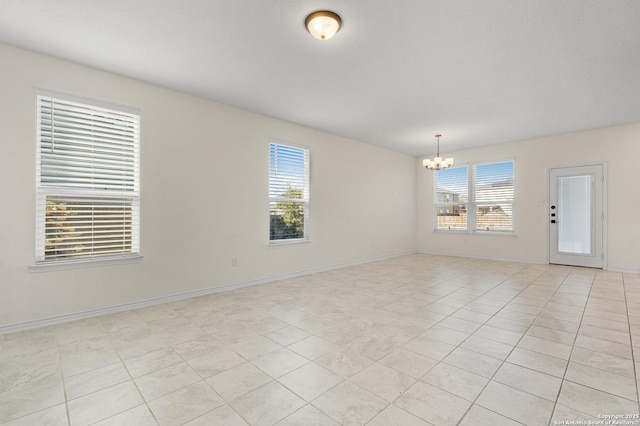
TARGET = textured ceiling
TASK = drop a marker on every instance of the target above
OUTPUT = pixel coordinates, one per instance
(399, 71)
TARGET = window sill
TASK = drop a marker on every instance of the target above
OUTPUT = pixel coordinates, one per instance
(61, 265)
(451, 231)
(479, 232)
(292, 241)
(498, 233)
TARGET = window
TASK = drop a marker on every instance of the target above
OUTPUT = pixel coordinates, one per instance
(288, 192)
(452, 198)
(88, 184)
(485, 190)
(493, 196)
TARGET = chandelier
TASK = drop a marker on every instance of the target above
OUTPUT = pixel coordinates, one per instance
(437, 163)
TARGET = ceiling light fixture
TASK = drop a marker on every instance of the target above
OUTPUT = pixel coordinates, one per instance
(437, 163)
(323, 24)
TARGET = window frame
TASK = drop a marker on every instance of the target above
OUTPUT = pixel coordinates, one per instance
(304, 201)
(472, 204)
(47, 189)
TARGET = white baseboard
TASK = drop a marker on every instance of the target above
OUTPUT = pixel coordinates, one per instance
(532, 261)
(624, 270)
(59, 319)
(471, 256)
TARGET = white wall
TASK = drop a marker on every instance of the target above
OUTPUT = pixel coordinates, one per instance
(618, 146)
(204, 196)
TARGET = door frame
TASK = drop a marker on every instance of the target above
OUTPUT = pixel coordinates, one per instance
(605, 213)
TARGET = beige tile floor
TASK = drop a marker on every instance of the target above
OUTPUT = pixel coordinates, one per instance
(414, 340)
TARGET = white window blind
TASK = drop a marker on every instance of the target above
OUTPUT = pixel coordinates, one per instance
(493, 196)
(475, 198)
(288, 192)
(451, 198)
(88, 181)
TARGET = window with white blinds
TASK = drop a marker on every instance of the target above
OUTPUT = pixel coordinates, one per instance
(88, 181)
(451, 198)
(475, 198)
(288, 192)
(493, 196)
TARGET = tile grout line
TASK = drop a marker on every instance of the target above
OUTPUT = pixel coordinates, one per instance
(633, 359)
(440, 297)
(202, 379)
(471, 334)
(389, 403)
(145, 402)
(64, 387)
(584, 309)
(593, 350)
(516, 344)
(538, 316)
(272, 379)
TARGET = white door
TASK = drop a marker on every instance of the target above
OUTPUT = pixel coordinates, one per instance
(576, 216)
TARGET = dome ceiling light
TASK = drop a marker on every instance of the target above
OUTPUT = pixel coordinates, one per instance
(323, 24)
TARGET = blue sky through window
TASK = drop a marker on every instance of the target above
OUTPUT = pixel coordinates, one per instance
(287, 169)
(455, 179)
(494, 172)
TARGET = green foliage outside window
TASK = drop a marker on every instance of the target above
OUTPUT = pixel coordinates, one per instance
(60, 235)
(287, 217)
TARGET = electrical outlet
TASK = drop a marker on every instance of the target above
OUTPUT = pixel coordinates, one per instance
(234, 261)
